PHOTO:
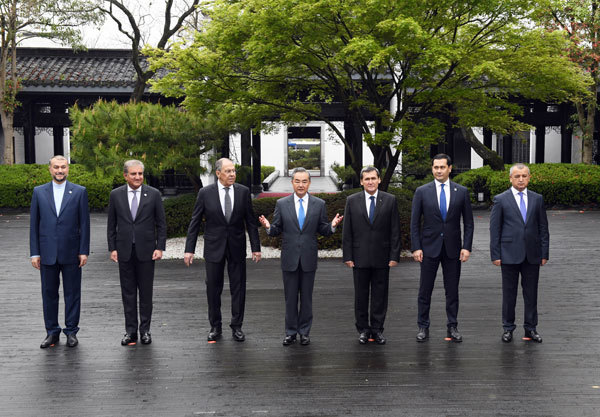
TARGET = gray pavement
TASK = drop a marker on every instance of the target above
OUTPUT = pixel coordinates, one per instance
(180, 374)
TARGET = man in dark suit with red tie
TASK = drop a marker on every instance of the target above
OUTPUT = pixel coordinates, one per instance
(59, 240)
(519, 244)
(437, 209)
(227, 210)
(137, 236)
(371, 245)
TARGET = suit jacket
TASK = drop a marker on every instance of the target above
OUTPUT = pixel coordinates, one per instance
(59, 237)
(371, 245)
(218, 234)
(434, 232)
(299, 247)
(512, 240)
(149, 226)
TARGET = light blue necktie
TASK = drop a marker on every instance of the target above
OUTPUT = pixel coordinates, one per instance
(372, 209)
(301, 214)
(443, 209)
(522, 207)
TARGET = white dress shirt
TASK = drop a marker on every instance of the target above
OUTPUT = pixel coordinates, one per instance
(368, 201)
(304, 204)
(518, 197)
(438, 190)
(130, 191)
(222, 195)
(58, 191)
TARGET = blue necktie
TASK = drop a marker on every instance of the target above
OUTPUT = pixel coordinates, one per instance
(522, 207)
(372, 209)
(301, 215)
(443, 209)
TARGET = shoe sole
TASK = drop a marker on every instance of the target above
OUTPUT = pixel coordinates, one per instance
(449, 339)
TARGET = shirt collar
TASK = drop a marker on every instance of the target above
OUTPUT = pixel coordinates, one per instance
(438, 183)
(222, 187)
(516, 192)
(304, 199)
(368, 196)
(129, 189)
(59, 186)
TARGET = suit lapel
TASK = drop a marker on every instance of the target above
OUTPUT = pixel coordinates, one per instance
(453, 193)
(66, 196)
(378, 206)
(49, 192)
(217, 198)
(363, 206)
(516, 207)
(292, 211)
(434, 199)
(143, 200)
(310, 211)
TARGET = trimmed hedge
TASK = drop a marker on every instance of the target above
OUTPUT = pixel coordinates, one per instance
(179, 212)
(18, 181)
(560, 184)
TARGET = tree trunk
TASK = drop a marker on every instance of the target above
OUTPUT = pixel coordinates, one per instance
(389, 171)
(8, 130)
(496, 163)
(585, 117)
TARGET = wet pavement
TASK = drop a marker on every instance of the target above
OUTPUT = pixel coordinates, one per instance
(180, 374)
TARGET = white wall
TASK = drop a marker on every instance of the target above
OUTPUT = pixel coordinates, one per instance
(273, 146)
(333, 148)
(476, 160)
(576, 147)
(552, 144)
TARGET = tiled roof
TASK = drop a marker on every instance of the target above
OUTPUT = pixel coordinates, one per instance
(54, 67)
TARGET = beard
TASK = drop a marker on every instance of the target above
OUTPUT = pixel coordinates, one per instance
(59, 180)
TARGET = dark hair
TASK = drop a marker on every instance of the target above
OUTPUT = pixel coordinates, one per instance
(442, 156)
(368, 169)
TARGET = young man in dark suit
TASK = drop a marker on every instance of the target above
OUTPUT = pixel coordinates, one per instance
(371, 245)
(59, 240)
(299, 217)
(519, 244)
(437, 209)
(227, 208)
(137, 236)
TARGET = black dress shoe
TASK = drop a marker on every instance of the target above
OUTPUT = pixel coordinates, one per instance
(238, 335)
(363, 338)
(379, 338)
(288, 340)
(146, 338)
(214, 334)
(423, 334)
(50, 340)
(507, 336)
(533, 336)
(304, 340)
(454, 335)
(129, 339)
(72, 340)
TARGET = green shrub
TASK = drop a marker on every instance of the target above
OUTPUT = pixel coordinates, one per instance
(245, 172)
(18, 181)
(178, 211)
(560, 184)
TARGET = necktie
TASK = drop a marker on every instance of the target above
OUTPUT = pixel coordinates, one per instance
(301, 214)
(227, 205)
(134, 205)
(372, 209)
(443, 209)
(522, 207)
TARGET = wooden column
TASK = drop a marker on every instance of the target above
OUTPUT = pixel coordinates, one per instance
(540, 144)
(256, 163)
(566, 144)
(29, 132)
(58, 109)
(487, 142)
(353, 135)
(246, 156)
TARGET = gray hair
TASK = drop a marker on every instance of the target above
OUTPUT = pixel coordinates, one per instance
(300, 169)
(59, 157)
(219, 163)
(368, 169)
(518, 166)
(130, 163)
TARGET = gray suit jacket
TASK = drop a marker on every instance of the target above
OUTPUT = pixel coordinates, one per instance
(512, 240)
(299, 247)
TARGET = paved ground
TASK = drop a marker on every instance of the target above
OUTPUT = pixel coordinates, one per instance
(180, 374)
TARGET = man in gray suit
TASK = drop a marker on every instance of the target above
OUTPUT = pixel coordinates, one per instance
(299, 217)
(519, 244)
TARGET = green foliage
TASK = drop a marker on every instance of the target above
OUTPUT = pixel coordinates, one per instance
(309, 159)
(163, 137)
(18, 181)
(245, 172)
(345, 173)
(560, 184)
(178, 211)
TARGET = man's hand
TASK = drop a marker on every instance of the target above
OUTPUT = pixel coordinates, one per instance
(464, 255)
(392, 264)
(82, 260)
(349, 264)
(35, 262)
(188, 258)
(336, 220)
(497, 262)
(544, 262)
(418, 255)
(264, 222)
(256, 256)
(157, 255)
(114, 256)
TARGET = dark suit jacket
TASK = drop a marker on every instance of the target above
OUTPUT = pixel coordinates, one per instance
(371, 245)
(299, 247)
(150, 227)
(434, 232)
(59, 238)
(218, 234)
(512, 240)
